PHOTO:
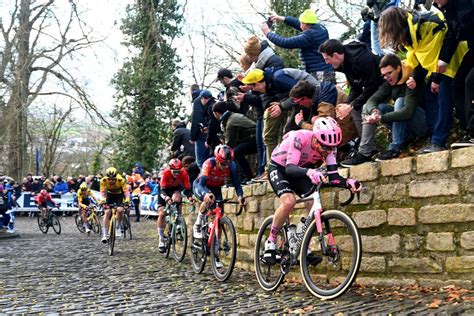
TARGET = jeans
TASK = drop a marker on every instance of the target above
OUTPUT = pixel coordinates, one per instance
(374, 39)
(202, 152)
(439, 111)
(261, 154)
(402, 130)
(463, 92)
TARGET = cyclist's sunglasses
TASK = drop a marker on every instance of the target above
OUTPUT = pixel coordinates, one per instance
(111, 179)
(175, 172)
(327, 148)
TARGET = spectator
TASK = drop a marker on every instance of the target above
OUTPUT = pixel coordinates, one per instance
(37, 185)
(195, 91)
(230, 83)
(72, 184)
(61, 186)
(96, 182)
(313, 34)
(376, 8)
(189, 163)
(180, 145)
(361, 69)
(406, 118)
(423, 41)
(262, 54)
(4, 207)
(239, 132)
(48, 185)
(27, 183)
(139, 169)
(199, 127)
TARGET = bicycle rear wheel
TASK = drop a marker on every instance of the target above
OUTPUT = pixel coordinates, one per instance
(199, 252)
(168, 238)
(127, 228)
(224, 250)
(338, 269)
(269, 276)
(56, 224)
(95, 224)
(111, 240)
(180, 239)
(43, 226)
(79, 223)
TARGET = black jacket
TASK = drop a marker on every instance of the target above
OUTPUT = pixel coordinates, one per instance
(361, 68)
(181, 136)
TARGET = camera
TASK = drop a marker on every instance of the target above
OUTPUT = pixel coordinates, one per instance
(269, 23)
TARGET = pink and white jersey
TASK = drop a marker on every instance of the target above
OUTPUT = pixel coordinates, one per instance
(296, 149)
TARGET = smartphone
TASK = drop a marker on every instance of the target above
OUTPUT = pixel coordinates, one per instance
(269, 23)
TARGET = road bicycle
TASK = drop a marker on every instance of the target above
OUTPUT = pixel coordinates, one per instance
(113, 226)
(51, 220)
(326, 244)
(92, 220)
(218, 240)
(175, 232)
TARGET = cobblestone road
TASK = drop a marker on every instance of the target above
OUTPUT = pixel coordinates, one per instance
(72, 273)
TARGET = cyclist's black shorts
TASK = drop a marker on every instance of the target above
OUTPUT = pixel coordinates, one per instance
(281, 183)
(116, 199)
(169, 192)
(86, 201)
(43, 205)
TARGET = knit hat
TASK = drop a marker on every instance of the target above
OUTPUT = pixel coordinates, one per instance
(308, 17)
(252, 47)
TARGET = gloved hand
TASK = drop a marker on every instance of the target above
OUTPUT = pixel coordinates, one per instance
(316, 177)
(353, 184)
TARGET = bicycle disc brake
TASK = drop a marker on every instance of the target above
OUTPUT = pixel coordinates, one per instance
(334, 254)
(285, 263)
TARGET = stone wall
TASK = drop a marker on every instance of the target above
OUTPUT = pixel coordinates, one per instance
(415, 214)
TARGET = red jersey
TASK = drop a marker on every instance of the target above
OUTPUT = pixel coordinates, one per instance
(41, 199)
(215, 176)
(168, 181)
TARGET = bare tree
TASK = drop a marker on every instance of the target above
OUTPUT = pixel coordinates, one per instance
(38, 42)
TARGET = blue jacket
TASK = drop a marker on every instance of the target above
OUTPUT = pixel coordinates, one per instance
(61, 187)
(308, 42)
(199, 116)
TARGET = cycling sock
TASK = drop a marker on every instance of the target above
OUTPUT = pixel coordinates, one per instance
(200, 219)
(273, 234)
(104, 231)
(85, 225)
(160, 233)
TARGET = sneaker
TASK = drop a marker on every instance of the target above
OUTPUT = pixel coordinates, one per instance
(261, 178)
(219, 264)
(313, 259)
(104, 239)
(269, 256)
(88, 230)
(467, 141)
(197, 231)
(10, 231)
(431, 148)
(161, 247)
(357, 159)
(389, 154)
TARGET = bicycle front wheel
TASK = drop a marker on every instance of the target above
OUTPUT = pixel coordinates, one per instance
(180, 239)
(111, 240)
(43, 226)
(79, 223)
(199, 252)
(224, 250)
(329, 276)
(95, 224)
(56, 224)
(168, 238)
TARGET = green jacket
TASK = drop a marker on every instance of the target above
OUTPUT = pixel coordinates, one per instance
(386, 92)
(239, 129)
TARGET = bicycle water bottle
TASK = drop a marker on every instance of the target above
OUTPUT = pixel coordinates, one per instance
(300, 227)
(292, 239)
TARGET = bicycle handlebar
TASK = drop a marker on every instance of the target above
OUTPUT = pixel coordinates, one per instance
(229, 201)
(321, 185)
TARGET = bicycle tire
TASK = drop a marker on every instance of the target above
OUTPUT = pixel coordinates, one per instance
(180, 237)
(95, 224)
(227, 250)
(339, 276)
(111, 240)
(56, 224)
(167, 230)
(128, 227)
(79, 223)
(199, 252)
(43, 226)
(268, 276)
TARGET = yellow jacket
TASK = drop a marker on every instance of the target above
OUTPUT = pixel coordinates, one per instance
(427, 32)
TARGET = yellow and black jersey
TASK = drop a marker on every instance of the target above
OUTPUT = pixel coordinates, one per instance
(119, 186)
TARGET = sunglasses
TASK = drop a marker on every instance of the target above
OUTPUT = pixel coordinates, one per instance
(111, 179)
(175, 172)
(327, 148)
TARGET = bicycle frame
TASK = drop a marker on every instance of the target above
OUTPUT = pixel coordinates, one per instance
(213, 227)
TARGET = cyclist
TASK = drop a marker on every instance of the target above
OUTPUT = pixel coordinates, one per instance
(113, 189)
(174, 179)
(84, 196)
(207, 186)
(292, 171)
(42, 200)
